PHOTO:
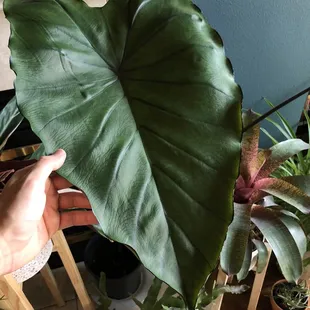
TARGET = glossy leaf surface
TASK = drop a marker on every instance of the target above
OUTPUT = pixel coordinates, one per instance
(142, 98)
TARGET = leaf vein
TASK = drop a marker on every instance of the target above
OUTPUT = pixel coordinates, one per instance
(152, 105)
(180, 83)
(78, 26)
(208, 209)
(99, 133)
(165, 141)
(189, 240)
(74, 107)
(175, 53)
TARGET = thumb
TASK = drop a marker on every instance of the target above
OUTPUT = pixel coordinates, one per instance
(47, 164)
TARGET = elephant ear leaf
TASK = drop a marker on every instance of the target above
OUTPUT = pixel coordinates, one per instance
(10, 119)
(142, 98)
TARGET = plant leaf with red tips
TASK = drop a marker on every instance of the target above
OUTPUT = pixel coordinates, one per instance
(279, 154)
(285, 191)
(249, 146)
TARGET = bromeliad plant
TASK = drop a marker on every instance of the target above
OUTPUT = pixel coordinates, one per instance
(298, 165)
(252, 203)
(141, 96)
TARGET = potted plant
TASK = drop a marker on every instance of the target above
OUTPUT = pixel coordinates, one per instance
(253, 203)
(289, 296)
(121, 267)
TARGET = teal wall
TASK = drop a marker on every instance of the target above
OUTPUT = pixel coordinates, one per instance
(269, 46)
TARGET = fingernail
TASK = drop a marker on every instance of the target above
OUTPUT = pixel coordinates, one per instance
(61, 153)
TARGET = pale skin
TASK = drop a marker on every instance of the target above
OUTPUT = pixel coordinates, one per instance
(30, 211)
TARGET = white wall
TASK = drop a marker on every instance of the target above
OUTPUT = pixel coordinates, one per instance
(6, 74)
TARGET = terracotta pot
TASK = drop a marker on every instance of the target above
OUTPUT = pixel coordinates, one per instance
(274, 305)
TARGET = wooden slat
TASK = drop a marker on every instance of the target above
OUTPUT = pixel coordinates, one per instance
(258, 283)
(14, 295)
(222, 279)
(50, 281)
(65, 254)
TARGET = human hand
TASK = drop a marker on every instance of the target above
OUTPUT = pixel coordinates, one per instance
(30, 211)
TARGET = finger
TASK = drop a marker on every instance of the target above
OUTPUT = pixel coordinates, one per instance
(60, 182)
(47, 164)
(77, 218)
(73, 200)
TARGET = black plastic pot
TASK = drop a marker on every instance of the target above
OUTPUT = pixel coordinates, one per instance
(121, 266)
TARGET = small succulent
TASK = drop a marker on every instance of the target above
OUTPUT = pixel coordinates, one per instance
(104, 300)
(291, 296)
(253, 202)
(169, 299)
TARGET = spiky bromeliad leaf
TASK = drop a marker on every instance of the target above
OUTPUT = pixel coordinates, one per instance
(285, 191)
(300, 181)
(244, 271)
(262, 255)
(142, 98)
(295, 229)
(279, 154)
(234, 248)
(10, 119)
(250, 138)
(280, 240)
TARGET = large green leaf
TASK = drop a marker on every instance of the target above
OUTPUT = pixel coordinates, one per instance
(280, 240)
(142, 98)
(10, 119)
(233, 252)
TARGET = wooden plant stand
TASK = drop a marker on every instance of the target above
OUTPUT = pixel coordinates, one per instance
(14, 297)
